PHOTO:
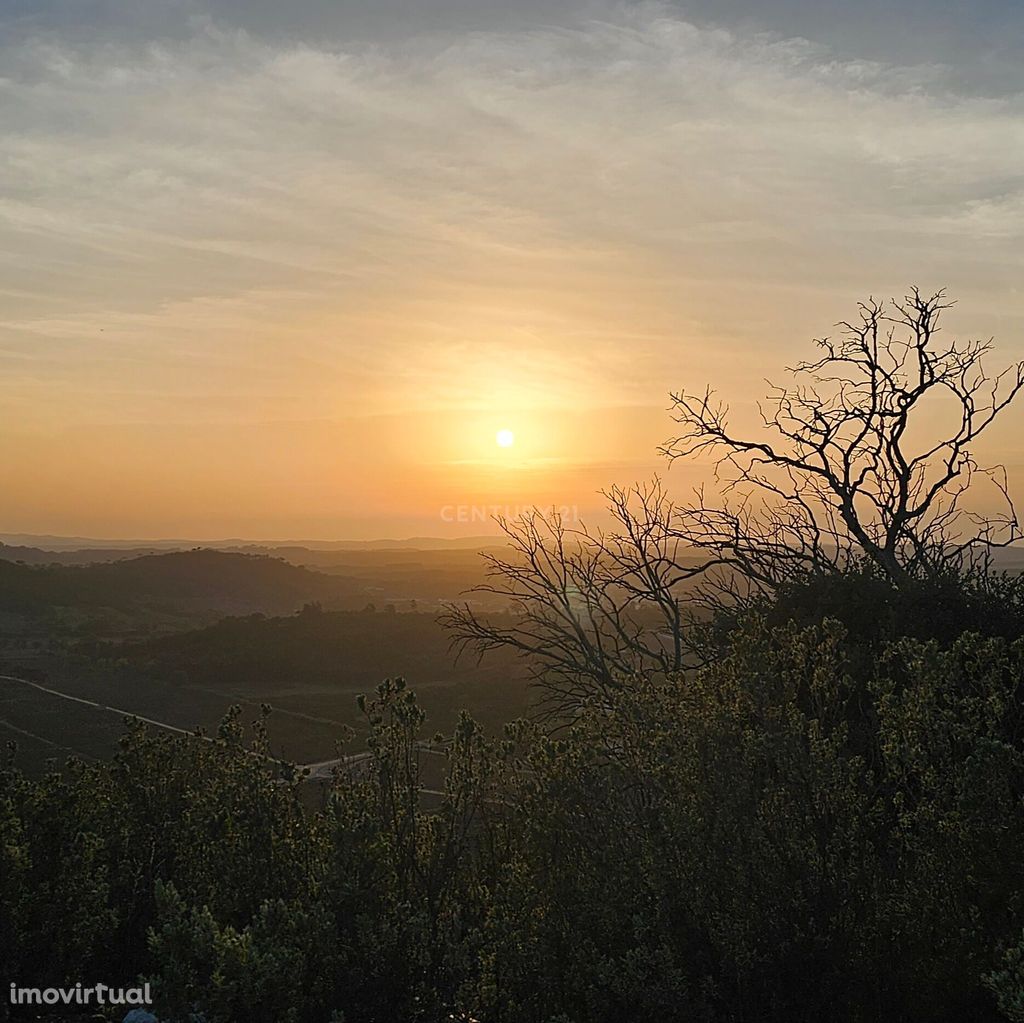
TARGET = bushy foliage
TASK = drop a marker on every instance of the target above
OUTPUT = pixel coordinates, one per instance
(55, 915)
(796, 832)
(1007, 983)
(939, 606)
(85, 849)
(275, 969)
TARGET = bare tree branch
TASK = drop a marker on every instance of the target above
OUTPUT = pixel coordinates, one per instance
(840, 477)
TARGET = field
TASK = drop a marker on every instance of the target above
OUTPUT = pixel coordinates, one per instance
(175, 654)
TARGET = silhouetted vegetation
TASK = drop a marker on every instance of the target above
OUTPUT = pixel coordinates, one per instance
(795, 833)
(866, 464)
(778, 782)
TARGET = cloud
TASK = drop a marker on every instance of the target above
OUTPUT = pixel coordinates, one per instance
(559, 215)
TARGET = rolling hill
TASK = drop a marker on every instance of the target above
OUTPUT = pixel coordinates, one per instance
(198, 580)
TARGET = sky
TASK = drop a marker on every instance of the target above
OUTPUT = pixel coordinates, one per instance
(283, 270)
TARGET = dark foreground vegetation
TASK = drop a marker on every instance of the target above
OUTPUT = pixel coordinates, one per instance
(824, 823)
(778, 776)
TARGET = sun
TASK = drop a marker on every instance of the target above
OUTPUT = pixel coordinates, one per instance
(505, 438)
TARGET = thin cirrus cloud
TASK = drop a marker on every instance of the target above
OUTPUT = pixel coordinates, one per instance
(209, 218)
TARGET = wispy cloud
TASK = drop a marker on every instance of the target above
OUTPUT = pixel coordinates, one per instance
(449, 218)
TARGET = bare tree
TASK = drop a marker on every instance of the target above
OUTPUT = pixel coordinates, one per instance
(839, 476)
(854, 467)
(588, 609)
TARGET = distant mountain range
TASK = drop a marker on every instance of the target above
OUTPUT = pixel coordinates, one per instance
(81, 544)
(120, 591)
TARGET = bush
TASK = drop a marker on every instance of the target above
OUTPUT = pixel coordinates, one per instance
(790, 863)
(1007, 983)
(796, 832)
(276, 969)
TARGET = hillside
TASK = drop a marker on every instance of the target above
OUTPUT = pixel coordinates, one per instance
(308, 666)
(309, 650)
(198, 580)
(83, 556)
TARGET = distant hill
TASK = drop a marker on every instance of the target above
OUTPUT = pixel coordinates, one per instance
(398, 575)
(310, 649)
(313, 663)
(83, 556)
(59, 544)
(206, 580)
(417, 543)
(329, 554)
(48, 542)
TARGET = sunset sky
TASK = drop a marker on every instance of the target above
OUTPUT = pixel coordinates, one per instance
(282, 270)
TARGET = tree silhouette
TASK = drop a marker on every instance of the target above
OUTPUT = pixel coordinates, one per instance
(843, 476)
(867, 460)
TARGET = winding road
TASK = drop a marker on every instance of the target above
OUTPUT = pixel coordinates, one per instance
(321, 770)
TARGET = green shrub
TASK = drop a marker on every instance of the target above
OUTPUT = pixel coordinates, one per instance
(276, 969)
(1007, 983)
(796, 832)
